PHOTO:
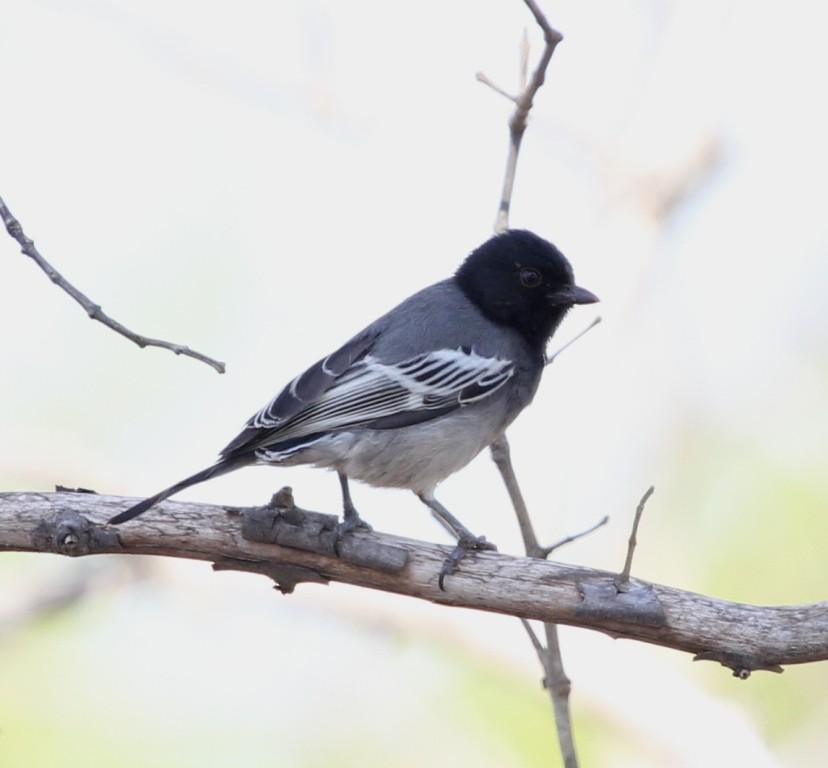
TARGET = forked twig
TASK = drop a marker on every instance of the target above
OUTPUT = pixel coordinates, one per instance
(523, 105)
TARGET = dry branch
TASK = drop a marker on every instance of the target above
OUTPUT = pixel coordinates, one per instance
(27, 247)
(743, 637)
(555, 679)
(523, 105)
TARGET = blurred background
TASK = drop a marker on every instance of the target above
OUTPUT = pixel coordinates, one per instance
(258, 180)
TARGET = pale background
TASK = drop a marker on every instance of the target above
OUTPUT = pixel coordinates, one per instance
(258, 181)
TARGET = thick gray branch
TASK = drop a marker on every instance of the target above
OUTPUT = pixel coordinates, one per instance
(742, 637)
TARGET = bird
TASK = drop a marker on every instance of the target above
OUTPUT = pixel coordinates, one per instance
(417, 394)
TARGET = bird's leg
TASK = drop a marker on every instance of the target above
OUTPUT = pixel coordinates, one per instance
(350, 517)
(466, 540)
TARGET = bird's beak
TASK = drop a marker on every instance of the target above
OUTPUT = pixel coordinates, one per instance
(572, 294)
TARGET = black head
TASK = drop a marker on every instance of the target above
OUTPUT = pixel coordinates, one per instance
(520, 280)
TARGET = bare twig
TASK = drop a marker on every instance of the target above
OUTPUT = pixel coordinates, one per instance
(523, 105)
(496, 88)
(536, 644)
(549, 549)
(94, 311)
(555, 679)
(559, 686)
(551, 358)
(525, 49)
(624, 577)
(502, 458)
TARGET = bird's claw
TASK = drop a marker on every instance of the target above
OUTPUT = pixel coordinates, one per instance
(464, 547)
(350, 522)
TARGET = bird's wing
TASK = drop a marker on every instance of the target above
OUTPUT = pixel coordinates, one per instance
(371, 393)
(303, 391)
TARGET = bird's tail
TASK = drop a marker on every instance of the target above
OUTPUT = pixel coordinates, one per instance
(219, 468)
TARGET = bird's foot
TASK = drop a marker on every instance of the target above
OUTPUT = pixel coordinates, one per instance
(465, 546)
(351, 521)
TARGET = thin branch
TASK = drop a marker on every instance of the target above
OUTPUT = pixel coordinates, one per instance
(27, 246)
(559, 686)
(525, 49)
(536, 644)
(551, 358)
(481, 78)
(523, 105)
(556, 680)
(624, 578)
(742, 637)
(501, 455)
(548, 550)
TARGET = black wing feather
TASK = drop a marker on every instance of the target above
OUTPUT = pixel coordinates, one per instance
(377, 395)
(301, 392)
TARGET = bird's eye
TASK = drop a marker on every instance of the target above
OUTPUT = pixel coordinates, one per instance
(530, 278)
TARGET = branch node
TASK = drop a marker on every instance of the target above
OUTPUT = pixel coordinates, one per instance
(71, 534)
(741, 664)
(636, 604)
(291, 526)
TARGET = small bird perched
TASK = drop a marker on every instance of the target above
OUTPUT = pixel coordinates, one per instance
(416, 395)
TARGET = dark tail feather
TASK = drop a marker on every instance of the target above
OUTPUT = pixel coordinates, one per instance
(221, 467)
